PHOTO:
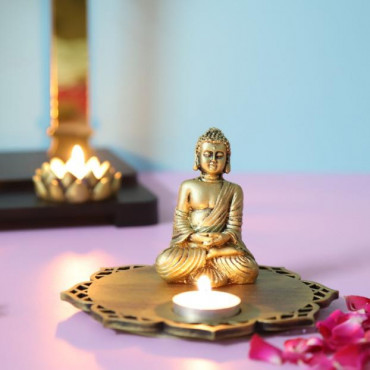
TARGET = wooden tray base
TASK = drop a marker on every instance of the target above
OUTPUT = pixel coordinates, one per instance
(135, 299)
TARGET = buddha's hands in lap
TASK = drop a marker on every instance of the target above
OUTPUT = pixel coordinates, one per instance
(219, 239)
(214, 243)
(202, 240)
(210, 240)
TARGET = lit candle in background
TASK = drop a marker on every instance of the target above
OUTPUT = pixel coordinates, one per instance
(205, 304)
(76, 181)
(77, 167)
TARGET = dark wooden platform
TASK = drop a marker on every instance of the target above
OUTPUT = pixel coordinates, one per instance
(20, 208)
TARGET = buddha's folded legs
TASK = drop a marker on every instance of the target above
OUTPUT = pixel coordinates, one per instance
(186, 265)
(238, 269)
(176, 264)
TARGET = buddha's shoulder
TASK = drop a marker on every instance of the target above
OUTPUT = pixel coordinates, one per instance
(234, 187)
(189, 184)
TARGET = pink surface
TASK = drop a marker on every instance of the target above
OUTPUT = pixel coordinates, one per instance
(316, 225)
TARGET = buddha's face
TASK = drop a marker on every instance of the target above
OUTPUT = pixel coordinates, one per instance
(212, 158)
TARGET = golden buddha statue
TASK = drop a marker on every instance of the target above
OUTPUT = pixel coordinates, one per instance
(206, 236)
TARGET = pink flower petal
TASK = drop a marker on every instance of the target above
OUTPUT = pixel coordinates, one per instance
(349, 331)
(326, 326)
(356, 302)
(263, 351)
(345, 334)
(302, 349)
(320, 362)
(355, 356)
(367, 336)
(340, 329)
(366, 323)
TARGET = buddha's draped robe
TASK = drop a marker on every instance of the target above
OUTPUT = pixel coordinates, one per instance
(185, 261)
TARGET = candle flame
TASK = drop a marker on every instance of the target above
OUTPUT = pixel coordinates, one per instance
(58, 167)
(204, 284)
(76, 164)
(78, 154)
(98, 169)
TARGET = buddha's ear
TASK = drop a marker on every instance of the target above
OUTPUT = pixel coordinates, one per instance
(196, 162)
(227, 167)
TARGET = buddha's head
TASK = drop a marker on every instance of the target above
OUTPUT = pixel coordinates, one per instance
(212, 153)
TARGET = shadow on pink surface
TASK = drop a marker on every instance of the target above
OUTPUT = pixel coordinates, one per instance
(93, 337)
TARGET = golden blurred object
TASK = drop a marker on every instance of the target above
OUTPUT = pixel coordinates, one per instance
(76, 181)
(207, 236)
(69, 118)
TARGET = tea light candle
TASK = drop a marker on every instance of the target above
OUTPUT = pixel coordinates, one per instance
(205, 304)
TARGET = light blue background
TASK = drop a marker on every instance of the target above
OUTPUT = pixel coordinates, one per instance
(287, 81)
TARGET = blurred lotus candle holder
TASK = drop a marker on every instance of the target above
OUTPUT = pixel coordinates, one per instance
(76, 181)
